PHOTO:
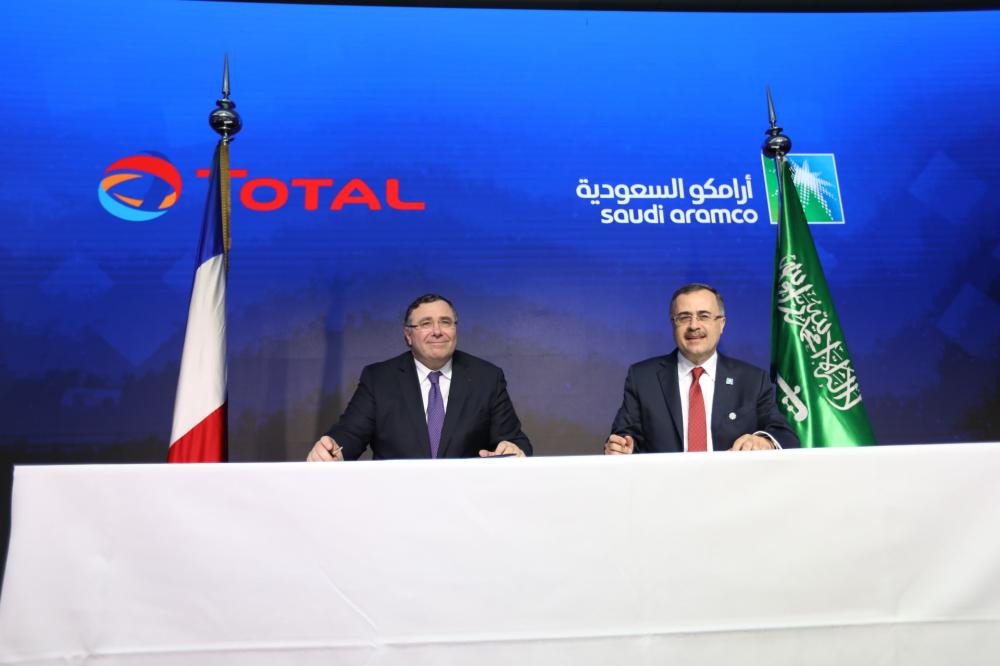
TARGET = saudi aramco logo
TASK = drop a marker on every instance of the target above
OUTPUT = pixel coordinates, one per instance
(139, 188)
(815, 177)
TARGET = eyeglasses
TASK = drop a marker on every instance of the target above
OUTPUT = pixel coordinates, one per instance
(703, 316)
(426, 325)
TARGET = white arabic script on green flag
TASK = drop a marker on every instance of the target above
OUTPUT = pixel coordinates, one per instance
(817, 388)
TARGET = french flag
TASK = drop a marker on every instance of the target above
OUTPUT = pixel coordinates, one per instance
(200, 425)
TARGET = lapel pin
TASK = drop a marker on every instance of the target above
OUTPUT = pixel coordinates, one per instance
(729, 380)
(732, 416)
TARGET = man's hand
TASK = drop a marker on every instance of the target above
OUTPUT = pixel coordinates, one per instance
(752, 443)
(618, 445)
(325, 450)
(504, 448)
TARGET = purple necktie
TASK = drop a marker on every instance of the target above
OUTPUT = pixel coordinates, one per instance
(435, 412)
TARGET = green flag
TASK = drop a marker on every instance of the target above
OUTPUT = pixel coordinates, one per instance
(816, 385)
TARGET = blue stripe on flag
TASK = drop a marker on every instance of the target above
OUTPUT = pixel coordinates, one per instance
(211, 243)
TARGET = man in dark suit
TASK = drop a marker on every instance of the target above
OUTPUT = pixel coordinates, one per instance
(430, 402)
(695, 399)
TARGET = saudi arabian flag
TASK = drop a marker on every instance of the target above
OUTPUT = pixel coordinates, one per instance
(817, 388)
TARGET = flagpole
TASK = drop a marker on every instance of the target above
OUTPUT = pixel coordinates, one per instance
(226, 122)
(201, 424)
(775, 146)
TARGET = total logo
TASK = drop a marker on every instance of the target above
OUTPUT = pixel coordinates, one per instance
(143, 187)
(139, 188)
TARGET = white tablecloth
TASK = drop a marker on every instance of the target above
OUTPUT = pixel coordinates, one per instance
(875, 556)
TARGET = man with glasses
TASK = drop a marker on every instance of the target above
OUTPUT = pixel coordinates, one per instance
(695, 399)
(430, 402)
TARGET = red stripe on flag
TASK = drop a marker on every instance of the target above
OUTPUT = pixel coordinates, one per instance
(206, 442)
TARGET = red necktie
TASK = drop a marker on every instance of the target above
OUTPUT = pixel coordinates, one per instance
(697, 432)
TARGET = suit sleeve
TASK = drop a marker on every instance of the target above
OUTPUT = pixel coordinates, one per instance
(356, 427)
(628, 421)
(504, 424)
(770, 419)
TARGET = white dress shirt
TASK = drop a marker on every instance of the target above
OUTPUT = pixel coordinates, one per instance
(444, 383)
(707, 383)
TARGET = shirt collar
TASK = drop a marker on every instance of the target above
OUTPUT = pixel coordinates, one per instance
(684, 366)
(423, 370)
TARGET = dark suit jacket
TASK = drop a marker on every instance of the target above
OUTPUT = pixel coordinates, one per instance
(387, 412)
(651, 408)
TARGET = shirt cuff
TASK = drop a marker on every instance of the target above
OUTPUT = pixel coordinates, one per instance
(761, 433)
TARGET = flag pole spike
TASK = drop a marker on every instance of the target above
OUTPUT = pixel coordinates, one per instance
(776, 145)
(224, 119)
(225, 84)
(770, 101)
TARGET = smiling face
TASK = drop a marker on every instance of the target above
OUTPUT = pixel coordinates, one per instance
(697, 340)
(432, 333)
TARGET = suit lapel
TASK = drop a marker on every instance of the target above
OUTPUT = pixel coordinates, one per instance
(458, 393)
(723, 403)
(667, 375)
(413, 402)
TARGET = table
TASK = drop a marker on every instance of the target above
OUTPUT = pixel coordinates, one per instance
(887, 555)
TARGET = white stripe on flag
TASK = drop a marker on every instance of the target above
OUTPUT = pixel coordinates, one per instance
(201, 387)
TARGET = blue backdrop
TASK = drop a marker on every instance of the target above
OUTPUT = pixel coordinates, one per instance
(491, 119)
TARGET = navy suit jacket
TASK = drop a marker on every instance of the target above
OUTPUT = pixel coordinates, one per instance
(743, 403)
(387, 412)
